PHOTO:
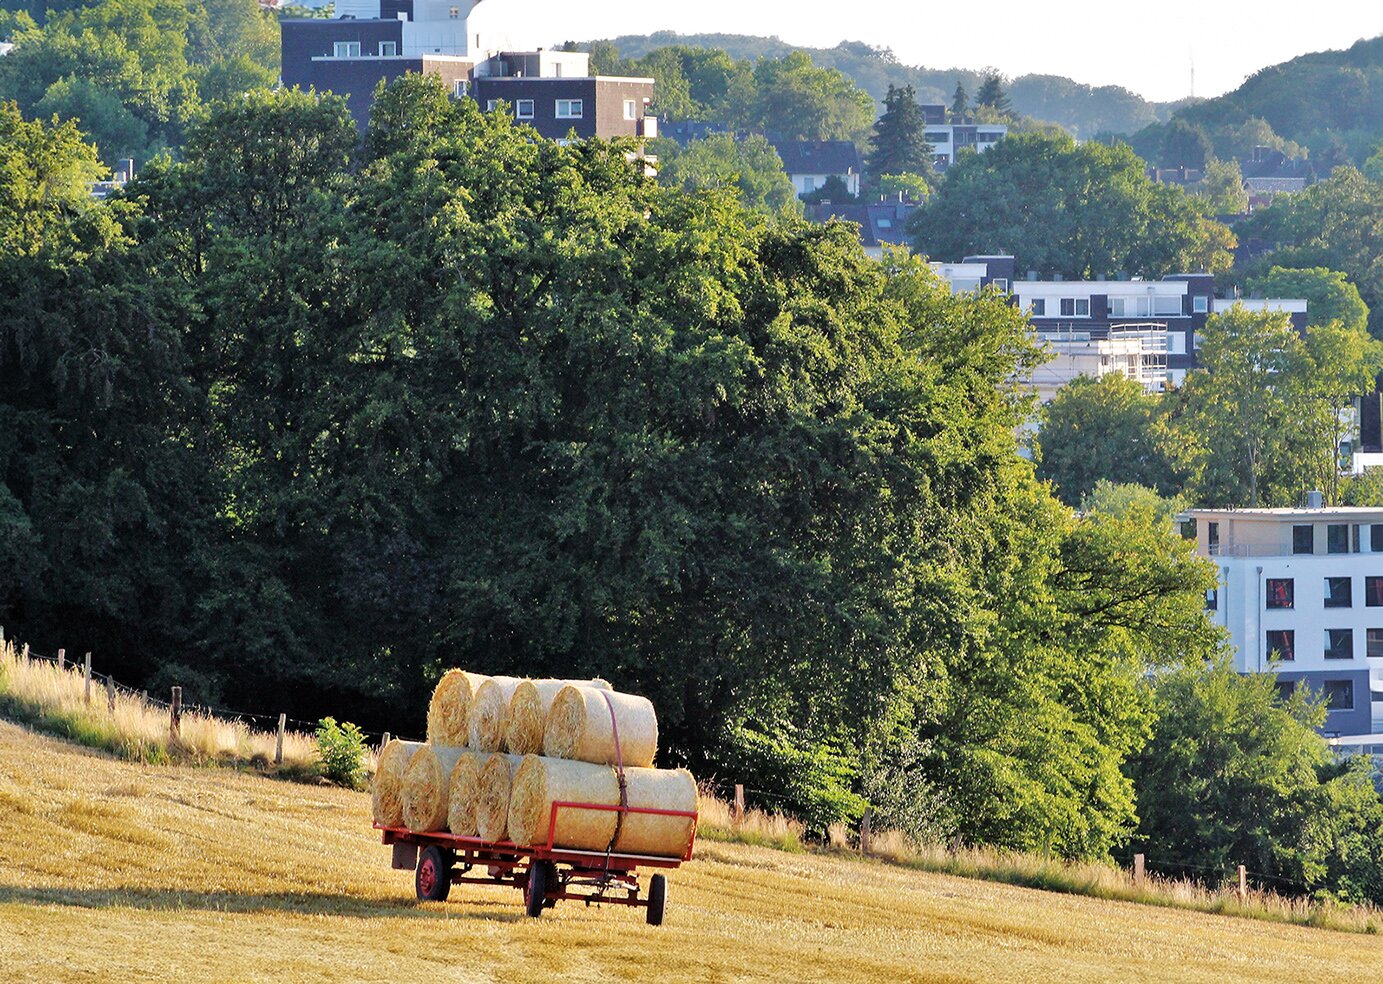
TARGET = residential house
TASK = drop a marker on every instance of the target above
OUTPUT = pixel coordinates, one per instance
(1301, 595)
(880, 224)
(1271, 172)
(950, 139)
(811, 163)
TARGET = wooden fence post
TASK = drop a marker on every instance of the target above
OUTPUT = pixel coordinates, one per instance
(385, 743)
(739, 803)
(1139, 868)
(278, 748)
(865, 832)
(86, 676)
(1243, 884)
(110, 695)
(26, 653)
(175, 715)
(62, 659)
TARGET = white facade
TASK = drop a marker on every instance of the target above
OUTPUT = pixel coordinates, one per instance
(942, 137)
(1137, 351)
(805, 184)
(1306, 584)
(437, 27)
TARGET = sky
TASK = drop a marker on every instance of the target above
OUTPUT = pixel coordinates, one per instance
(1098, 42)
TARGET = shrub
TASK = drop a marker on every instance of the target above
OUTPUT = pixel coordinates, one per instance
(342, 750)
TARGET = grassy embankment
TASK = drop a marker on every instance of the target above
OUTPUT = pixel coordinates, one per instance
(40, 694)
(118, 871)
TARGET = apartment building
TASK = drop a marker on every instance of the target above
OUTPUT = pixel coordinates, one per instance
(811, 163)
(950, 139)
(1301, 595)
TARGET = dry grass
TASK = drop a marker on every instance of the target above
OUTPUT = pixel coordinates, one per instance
(113, 871)
(38, 693)
(1100, 881)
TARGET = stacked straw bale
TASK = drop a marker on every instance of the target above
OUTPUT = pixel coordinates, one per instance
(489, 713)
(528, 710)
(387, 794)
(448, 713)
(427, 787)
(493, 794)
(464, 792)
(579, 727)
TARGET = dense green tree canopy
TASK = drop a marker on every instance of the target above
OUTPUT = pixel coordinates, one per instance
(750, 166)
(1061, 208)
(1330, 297)
(900, 143)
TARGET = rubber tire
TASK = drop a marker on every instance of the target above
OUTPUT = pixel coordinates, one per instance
(657, 899)
(535, 895)
(433, 877)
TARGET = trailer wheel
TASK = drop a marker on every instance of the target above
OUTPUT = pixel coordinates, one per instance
(433, 879)
(657, 899)
(535, 892)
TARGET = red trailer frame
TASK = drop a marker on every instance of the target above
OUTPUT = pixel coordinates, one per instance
(545, 872)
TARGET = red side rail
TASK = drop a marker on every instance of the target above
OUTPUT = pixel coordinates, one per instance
(642, 810)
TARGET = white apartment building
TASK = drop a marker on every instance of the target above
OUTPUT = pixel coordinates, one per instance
(948, 140)
(1301, 594)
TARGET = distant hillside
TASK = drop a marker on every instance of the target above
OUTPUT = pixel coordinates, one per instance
(1082, 109)
(1329, 101)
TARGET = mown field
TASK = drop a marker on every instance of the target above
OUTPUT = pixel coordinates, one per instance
(117, 872)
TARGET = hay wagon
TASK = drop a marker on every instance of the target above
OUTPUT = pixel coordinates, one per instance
(545, 872)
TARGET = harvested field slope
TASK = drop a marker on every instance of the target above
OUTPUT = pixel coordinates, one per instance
(118, 872)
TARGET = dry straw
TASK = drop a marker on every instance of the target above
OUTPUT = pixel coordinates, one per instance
(492, 801)
(465, 790)
(427, 787)
(528, 709)
(489, 713)
(449, 710)
(387, 795)
(659, 789)
(580, 727)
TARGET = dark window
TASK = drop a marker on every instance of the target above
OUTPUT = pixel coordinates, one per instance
(1337, 538)
(1354, 539)
(1281, 592)
(1282, 644)
(1303, 539)
(1038, 306)
(1212, 600)
(1338, 593)
(1376, 537)
(1339, 643)
(1075, 307)
(1212, 535)
(1285, 689)
(1339, 694)
(1375, 643)
(1373, 592)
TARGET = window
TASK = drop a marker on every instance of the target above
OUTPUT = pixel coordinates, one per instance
(1338, 593)
(1212, 600)
(1282, 644)
(1354, 539)
(461, 88)
(1285, 689)
(1281, 592)
(523, 109)
(570, 109)
(1038, 307)
(491, 105)
(1337, 538)
(1200, 304)
(938, 136)
(986, 136)
(345, 49)
(1212, 536)
(1376, 537)
(1303, 539)
(1339, 643)
(1373, 592)
(388, 49)
(1339, 694)
(1373, 642)
(454, 13)
(808, 185)
(884, 223)
(1075, 307)
(631, 109)
(1001, 283)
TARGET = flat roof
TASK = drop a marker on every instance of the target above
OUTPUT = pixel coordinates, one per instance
(1326, 512)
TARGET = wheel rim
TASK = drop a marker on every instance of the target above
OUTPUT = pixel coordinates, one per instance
(427, 876)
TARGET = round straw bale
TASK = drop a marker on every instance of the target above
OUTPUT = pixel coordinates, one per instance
(579, 727)
(528, 707)
(540, 782)
(465, 789)
(658, 789)
(427, 787)
(492, 800)
(489, 713)
(450, 707)
(387, 792)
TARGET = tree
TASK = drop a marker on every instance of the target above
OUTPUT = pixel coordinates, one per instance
(912, 187)
(103, 118)
(1184, 145)
(1134, 502)
(1233, 775)
(751, 167)
(1221, 191)
(1329, 295)
(991, 95)
(1078, 210)
(960, 104)
(1345, 362)
(797, 100)
(1101, 429)
(900, 138)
